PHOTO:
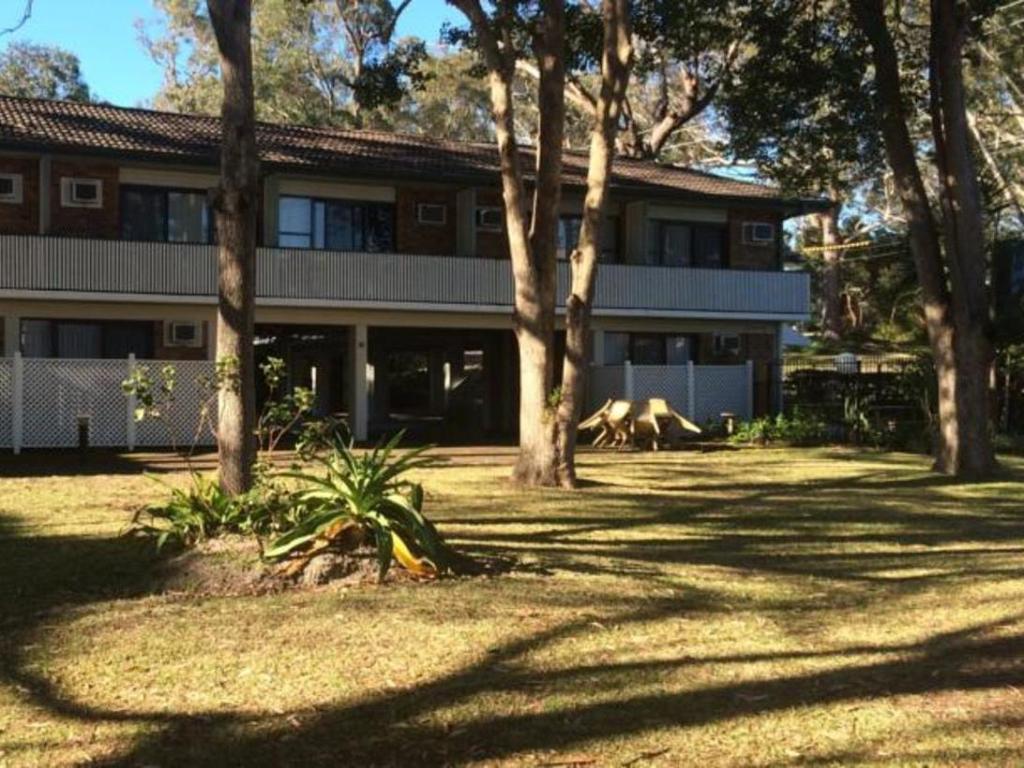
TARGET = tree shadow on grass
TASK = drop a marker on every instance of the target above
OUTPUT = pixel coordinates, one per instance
(404, 727)
(399, 728)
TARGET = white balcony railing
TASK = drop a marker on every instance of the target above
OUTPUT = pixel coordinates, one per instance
(33, 264)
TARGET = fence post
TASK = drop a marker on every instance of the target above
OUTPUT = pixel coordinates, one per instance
(130, 402)
(750, 389)
(691, 391)
(17, 402)
(627, 380)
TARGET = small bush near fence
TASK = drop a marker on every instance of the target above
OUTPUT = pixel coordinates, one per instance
(882, 401)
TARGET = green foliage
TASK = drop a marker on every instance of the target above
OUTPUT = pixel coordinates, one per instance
(195, 513)
(797, 429)
(371, 492)
(316, 62)
(41, 72)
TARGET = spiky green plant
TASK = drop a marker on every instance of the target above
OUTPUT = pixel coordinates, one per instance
(368, 493)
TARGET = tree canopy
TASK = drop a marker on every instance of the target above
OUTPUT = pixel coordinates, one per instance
(41, 72)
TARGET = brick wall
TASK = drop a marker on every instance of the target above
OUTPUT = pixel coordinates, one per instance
(85, 222)
(427, 239)
(753, 256)
(21, 218)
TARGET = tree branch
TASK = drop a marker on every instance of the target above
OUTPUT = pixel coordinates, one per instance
(25, 16)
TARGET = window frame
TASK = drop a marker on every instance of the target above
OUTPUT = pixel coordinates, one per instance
(693, 226)
(420, 207)
(747, 234)
(67, 188)
(326, 201)
(17, 195)
(480, 210)
(165, 193)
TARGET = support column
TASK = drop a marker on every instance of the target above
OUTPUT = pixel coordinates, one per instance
(597, 347)
(358, 405)
(211, 339)
(776, 368)
(436, 378)
(12, 335)
(45, 175)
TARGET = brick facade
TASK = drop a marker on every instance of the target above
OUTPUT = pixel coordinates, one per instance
(21, 218)
(428, 239)
(753, 256)
(85, 222)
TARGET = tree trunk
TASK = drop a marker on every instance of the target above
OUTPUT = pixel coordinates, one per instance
(532, 251)
(615, 66)
(924, 237)
(235, 207)
(831, 283)
(964, 238)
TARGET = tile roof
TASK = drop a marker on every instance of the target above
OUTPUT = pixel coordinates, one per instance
(139, 133)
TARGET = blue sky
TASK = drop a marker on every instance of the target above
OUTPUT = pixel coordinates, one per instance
(103, 34)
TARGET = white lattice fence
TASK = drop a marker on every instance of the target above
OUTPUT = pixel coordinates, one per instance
(178, 428)
(667, 381)
(720, 389)
(57, 393)
(6, 404)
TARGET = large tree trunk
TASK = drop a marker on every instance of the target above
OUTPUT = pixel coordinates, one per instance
(831, 283)
(531, 245)
(924, 236)
(235, 207)
(615, 66)
(964, 239)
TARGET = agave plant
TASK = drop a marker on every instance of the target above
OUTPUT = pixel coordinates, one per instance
(366, 497)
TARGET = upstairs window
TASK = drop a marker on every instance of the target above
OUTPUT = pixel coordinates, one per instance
(165, 215)
(81, 193)
(678, 244)
(647, 348)
(569, 227)
(335, 225)
(10, 188)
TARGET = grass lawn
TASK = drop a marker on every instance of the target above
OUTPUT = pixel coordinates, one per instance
(740, 608)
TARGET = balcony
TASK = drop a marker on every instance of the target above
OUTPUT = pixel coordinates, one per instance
(34, 266)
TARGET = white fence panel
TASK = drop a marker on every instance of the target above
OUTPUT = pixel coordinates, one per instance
(178, 428)
(667, 381)
(57, 393)
(6, 402)
(720, 389)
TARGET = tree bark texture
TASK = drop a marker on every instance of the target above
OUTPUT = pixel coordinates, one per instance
(963, 415)
(831, 277)
(616, 62)
(235, 206)
(532, 244)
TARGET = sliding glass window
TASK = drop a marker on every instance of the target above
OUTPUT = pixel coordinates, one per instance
(677, 244)
(165, 215)
(335, 225)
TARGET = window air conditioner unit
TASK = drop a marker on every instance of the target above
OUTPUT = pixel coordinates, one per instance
(758, 233)
(490, 219)
(81, 193)
(183, 334)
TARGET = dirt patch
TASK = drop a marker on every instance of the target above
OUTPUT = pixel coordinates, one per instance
(231, 565)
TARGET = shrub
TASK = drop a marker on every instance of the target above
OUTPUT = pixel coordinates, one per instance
(366, 498)
(798, 429)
